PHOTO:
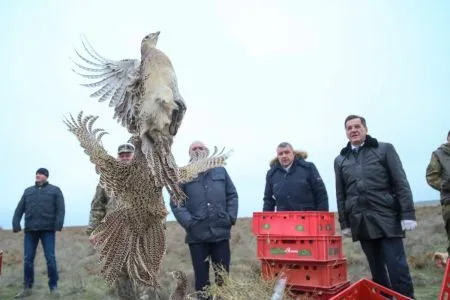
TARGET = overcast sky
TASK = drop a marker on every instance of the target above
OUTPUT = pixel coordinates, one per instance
(252, 73)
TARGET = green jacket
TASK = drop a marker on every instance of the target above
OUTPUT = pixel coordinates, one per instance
(101, 204)
(438, 172)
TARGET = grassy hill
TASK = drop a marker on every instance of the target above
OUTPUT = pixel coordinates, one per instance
(78, 266)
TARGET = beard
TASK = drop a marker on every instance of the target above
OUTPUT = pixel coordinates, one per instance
(198, 155)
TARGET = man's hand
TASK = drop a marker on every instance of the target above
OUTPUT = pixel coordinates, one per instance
(408, 224)
(346, 232)
(92, 240)
(15, 230)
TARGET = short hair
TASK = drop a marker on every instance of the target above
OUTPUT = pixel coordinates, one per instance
(284, 145)
(448, 134)
(351, 117)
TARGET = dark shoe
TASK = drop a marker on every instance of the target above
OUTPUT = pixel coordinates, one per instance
(26, 292)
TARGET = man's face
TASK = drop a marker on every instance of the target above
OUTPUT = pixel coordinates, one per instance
(40, 178)
(125, 156)
(198, 150)
(356, 131)
(285, 156)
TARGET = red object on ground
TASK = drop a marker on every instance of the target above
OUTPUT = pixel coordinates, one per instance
(300, 293)
(313, 248)
(305, 223)
(366, 289)
(445, 288)
(325, 275)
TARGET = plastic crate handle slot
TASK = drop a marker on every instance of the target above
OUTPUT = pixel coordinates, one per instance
(287, 241)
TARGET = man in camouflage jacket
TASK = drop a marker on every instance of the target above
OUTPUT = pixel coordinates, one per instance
(103, 203)
(438, 177)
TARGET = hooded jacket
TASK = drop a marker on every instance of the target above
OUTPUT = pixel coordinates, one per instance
(299, 189)
(438, 172)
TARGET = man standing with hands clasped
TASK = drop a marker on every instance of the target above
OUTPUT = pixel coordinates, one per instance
(375, 204)
(43, 206)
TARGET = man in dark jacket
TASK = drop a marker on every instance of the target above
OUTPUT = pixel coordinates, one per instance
(293, 184)
(375, 204)
(43, 206)
(438, 177)
(207, 216)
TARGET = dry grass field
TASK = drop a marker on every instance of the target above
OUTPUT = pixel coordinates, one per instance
(78, 266)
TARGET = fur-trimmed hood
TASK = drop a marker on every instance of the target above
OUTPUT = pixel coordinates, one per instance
(298, 154)
(370, 142)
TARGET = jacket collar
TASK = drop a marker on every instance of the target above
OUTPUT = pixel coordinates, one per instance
(370, 142)
(446, 148)
(299, 155)
(42, 185)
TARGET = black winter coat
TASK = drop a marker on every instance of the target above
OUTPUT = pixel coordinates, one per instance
(372, 192)
(299, 189)
(43, 207)
(210, 209)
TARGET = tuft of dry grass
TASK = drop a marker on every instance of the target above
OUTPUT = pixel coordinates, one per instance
(244, 283)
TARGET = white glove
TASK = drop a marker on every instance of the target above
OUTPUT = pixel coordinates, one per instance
(347, 232)
(408, 224)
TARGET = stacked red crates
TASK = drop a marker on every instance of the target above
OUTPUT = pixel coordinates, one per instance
(445, 287)
(304, 247)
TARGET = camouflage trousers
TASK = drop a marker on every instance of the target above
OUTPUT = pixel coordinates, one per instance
(126, 290)
(446, 217)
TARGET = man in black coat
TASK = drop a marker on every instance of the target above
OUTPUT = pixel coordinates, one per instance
(375, 204)
(43, 206)
(293, 184)
(207, 215)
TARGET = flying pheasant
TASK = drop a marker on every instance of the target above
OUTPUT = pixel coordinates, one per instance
(133, 234)
(146, 100)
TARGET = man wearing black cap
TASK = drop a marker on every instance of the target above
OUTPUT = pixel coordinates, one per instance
(43, 206)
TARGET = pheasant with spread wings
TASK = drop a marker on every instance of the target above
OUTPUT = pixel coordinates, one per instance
(146, 101)
(132, 235)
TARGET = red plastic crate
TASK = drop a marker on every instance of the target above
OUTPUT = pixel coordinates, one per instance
(300, 223)
(301, 293)
(367, 290)
(319, 248)
(445, 288)
(324, 275)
